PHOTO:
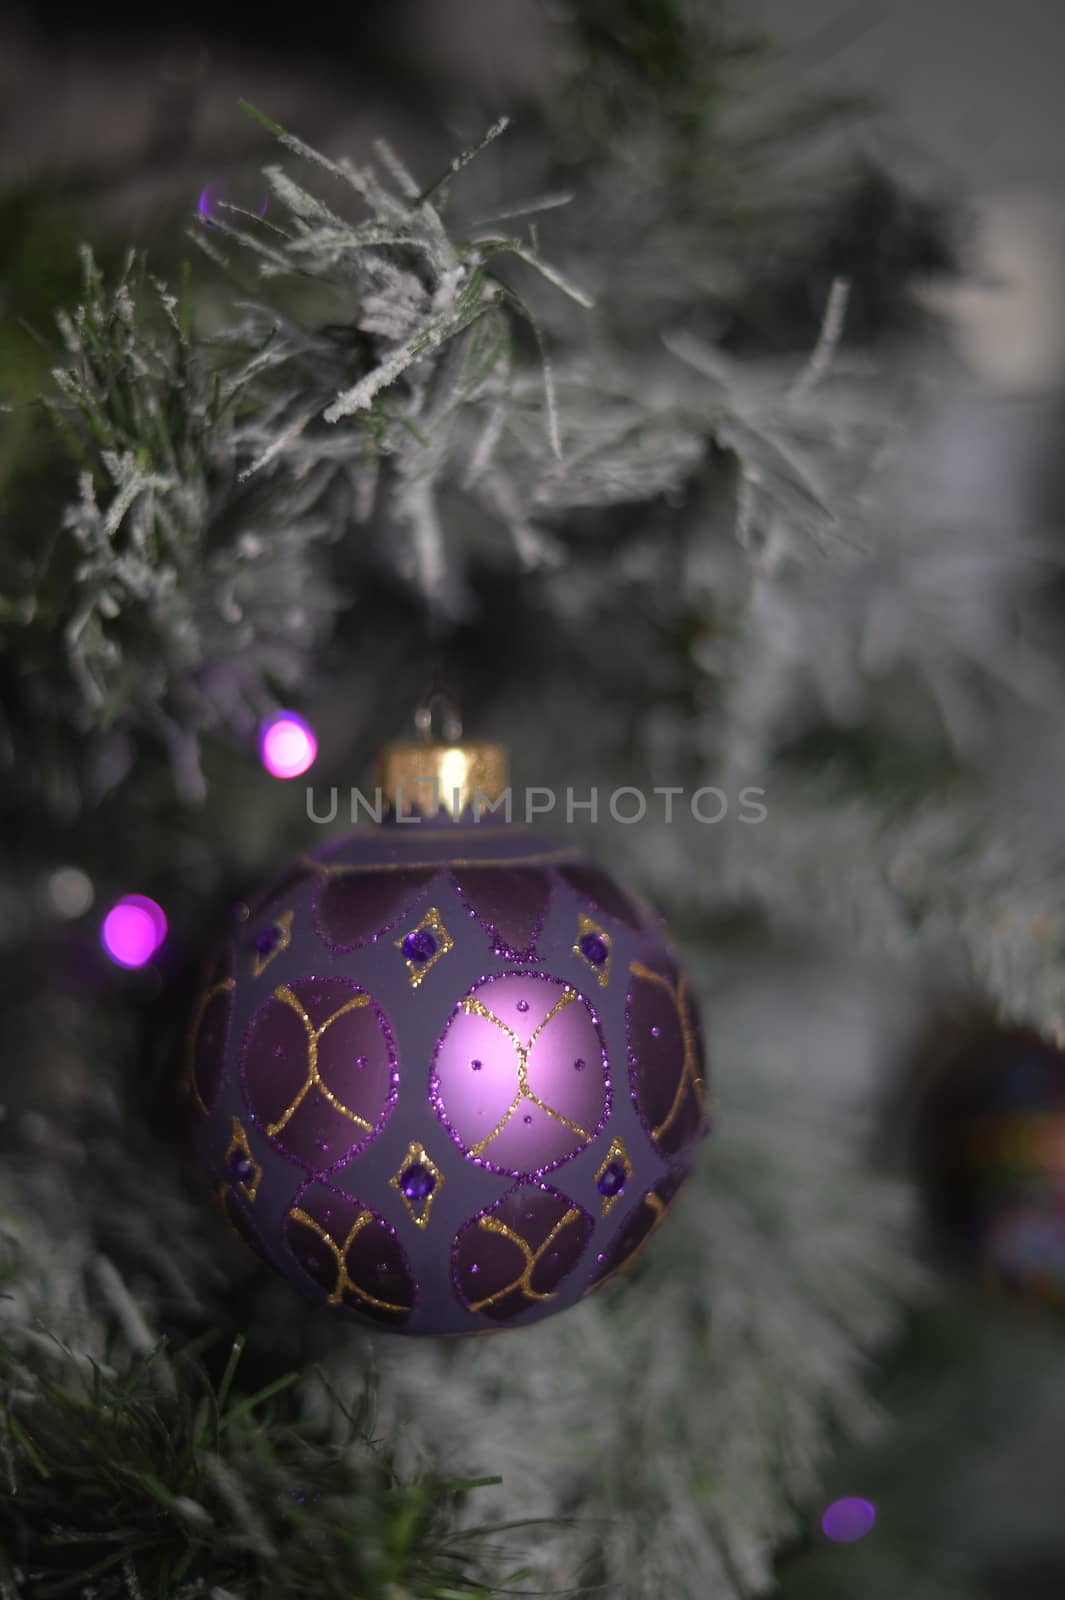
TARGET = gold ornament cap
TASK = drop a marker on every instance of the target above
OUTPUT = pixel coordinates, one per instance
(427, 775)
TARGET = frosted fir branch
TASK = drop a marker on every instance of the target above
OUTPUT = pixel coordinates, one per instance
(536, 547)
(419, 507)
(464, 158)
(362, 182)
(269, 254)
(501, 245)
(554, 431)
(415, 313)
(251, 1529)
(170, 304)
(272, 354)
(279, 443)
(197, 236)
(153, 415)
(326, 245)
(796, 463)
(620, 446)
(526, 208)
(399, 173)
(201, 1477)
(434, 332)
(828, 341)
(491, 431)
(300, 201)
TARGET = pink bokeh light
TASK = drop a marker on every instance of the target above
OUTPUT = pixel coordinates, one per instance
(287, 746)
(133, 930)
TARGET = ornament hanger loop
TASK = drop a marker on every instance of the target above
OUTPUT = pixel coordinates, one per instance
(450, 717)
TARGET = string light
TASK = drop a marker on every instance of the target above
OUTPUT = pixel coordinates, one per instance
(848, 1520)
(133, 930)
(287, 746)
(70, 891)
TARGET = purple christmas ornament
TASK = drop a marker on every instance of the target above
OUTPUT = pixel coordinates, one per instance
(448, 1076)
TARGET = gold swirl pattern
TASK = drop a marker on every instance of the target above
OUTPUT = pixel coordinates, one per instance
(191, 1086)
(660, 1210)
(690, 1075)
(474, 1007)
(314, 1079)
(238, 1140)
(522, 1282)
(339, 1251)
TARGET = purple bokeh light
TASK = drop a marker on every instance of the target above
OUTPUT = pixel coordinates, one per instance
(848, 1520)
(222, 201)
(133, 930)
(287, 746)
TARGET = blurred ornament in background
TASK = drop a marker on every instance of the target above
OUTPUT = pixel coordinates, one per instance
(232, 200)
(133, 930)
(449, 1074)
(991, 1153)
(287, 745)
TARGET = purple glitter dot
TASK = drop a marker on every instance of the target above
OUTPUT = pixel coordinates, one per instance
(474, 1267)
(240, 1165)
(362, 1061)
(267, 939)
(527, 1118)
(417, 1182)
(848, 1520)
(655, 1032)
(613, 1179)
(419, 945)
(594, 948)
(522, 1005)
(579, 1064)
(475, 1066)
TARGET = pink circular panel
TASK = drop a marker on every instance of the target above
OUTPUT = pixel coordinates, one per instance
(521, 1078)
